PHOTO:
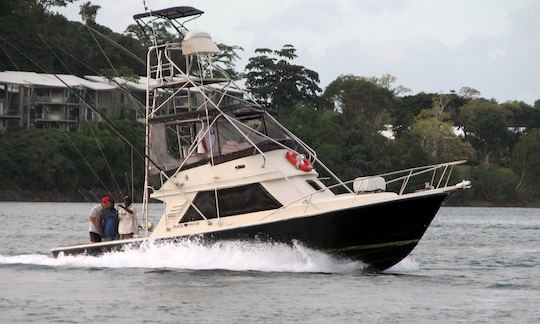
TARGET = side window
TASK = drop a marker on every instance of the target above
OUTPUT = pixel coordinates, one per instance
(232, 201)
(314, 184)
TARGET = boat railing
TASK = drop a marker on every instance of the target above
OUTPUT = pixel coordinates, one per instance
(406, 174)
(438, 181)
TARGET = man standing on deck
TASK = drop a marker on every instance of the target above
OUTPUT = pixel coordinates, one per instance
(95, 226)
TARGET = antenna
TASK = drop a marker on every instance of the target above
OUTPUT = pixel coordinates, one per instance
(145, 6)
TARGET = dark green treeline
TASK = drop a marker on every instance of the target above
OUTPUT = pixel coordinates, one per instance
(343, 122)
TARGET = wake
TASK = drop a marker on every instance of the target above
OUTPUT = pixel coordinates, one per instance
(193, 255)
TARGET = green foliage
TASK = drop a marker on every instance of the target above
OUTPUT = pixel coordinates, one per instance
(437, 138)
(88, 12)
(162, 33)
(362, 102)
(494, 184)
(227, 58)
(279, 84)
(486, 128)
(29, 20)
(435, 132)
(33, 159)
(526, 161)
(55, 3)
(343, 125)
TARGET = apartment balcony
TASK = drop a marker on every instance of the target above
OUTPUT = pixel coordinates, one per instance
(9, 113)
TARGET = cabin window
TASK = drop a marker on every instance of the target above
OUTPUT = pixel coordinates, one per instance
(314, 184)
(232, 201)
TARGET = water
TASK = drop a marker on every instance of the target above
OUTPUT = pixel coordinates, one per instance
(473, 265)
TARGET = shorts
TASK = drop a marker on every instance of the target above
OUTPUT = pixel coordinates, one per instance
(95, 237)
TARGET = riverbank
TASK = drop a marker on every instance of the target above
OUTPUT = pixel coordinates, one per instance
(456, 200)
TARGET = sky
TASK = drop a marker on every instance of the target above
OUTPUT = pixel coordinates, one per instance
(428, 45)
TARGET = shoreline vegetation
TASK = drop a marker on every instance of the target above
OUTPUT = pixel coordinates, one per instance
(359, 125)
(22, 196)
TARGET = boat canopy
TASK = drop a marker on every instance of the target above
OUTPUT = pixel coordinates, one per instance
(194, 138)
(170, 13)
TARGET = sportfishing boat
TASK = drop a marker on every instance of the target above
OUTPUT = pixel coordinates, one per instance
(233, 172)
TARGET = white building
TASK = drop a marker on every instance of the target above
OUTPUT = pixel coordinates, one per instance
(29, 99)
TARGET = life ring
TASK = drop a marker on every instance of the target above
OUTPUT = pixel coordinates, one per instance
(299, 161)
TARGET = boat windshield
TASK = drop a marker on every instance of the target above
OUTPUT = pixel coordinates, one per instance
(189, 140)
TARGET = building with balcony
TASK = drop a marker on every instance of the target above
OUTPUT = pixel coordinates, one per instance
(29, 99)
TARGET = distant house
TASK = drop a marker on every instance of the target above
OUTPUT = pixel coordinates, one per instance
(29, 99)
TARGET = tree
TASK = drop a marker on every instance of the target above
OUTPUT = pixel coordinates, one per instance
(436, 135)
(39, 34)
(161, 34)
(227, 58)
(363, 103)
(493, 184)
(277, 83)
(88, 12)
(486, 128)
(526, 160)
(407, 108)
(55, 3)
(469, 93)
(388, 81)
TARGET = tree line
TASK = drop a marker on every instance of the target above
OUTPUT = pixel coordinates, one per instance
(344, 122)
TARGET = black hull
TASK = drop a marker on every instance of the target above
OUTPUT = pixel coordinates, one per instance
(380, 235)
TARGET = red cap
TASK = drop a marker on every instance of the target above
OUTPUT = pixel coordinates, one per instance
(105, 200)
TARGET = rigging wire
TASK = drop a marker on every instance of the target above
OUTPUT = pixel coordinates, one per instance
(88, 164)
(102, 51)
(105, 159)
(10, 58)
(120, 85)
(132, 176)
(130, 53)
(90, 127)
(58, 58)
(97, 111)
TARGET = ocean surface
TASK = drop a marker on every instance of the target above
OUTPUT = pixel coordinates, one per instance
(474, 265)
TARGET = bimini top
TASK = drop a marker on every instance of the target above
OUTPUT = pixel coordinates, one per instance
(171, 13)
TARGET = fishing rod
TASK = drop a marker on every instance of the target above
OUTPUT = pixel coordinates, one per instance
(83, 63)
(93, 133)
(94, 109)
(114, 43)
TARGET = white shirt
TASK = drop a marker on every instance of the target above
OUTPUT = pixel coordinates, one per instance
(94, 220)
(127, 222)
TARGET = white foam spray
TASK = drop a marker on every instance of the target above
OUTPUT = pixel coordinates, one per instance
(193, 255)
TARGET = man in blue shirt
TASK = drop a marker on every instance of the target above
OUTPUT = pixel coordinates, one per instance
(110, 222)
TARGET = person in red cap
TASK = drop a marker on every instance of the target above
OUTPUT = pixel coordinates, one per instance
(95, 226)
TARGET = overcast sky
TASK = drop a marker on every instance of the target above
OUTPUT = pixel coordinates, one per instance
(429, 45)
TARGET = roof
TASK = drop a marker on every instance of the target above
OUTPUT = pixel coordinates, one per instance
(131, 85)
(49, 80)
(170, 13)
(98, 86)
(94, 82)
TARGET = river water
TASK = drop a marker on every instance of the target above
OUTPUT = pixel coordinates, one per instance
(473, 265)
